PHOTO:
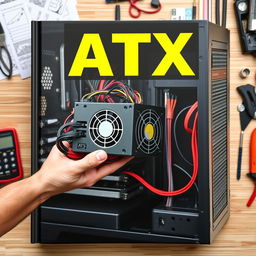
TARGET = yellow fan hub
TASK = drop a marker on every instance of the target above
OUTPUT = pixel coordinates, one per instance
(149, 131)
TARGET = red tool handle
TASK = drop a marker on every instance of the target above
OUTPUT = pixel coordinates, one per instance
(252, 173)
(253, 154)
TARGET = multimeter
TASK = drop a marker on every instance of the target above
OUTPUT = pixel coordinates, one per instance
(10, 161)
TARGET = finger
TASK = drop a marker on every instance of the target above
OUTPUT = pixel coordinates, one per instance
(110, 168)
(66, 143)
(91, 160)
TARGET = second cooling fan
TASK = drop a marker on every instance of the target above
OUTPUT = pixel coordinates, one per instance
(119, 128)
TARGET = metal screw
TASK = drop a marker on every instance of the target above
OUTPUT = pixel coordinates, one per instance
(240, 108)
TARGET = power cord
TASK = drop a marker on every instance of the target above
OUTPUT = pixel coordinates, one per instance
(133, 6)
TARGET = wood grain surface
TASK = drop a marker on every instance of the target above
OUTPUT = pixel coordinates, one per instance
(238, 237)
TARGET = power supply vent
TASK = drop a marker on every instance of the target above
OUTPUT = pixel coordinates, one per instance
(219, 117)
(148, 131)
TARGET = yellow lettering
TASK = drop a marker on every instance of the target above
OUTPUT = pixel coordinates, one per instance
(131, 50)
(173, 54)
(100, 60)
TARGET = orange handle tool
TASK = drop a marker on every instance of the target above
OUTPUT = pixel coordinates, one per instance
(252, 173)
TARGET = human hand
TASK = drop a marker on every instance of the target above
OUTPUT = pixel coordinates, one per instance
(59, 173)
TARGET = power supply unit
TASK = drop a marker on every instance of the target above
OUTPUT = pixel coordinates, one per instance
(182, 64)
(118, 128)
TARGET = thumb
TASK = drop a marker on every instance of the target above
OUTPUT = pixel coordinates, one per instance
(92, 160)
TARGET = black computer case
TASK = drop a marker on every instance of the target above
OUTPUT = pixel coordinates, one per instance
(125, 211)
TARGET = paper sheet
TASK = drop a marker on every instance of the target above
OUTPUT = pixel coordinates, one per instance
(15, 19)
(16, 16)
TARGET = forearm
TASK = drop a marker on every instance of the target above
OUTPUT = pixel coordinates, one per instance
(18, 200)
(57, 175)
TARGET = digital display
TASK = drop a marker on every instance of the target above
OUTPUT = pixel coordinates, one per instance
(6, 142)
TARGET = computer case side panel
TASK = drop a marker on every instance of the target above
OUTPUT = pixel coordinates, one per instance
(203, 136)
(219, 83)
(35, 29)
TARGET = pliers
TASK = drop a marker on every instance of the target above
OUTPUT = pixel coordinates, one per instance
(247, 111)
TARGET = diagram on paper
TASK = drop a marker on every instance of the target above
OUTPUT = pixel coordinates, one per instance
(23, 47)
(14, 17)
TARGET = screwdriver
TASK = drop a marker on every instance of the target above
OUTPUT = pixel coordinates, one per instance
(252, 173)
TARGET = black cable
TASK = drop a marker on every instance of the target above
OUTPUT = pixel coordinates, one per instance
(64, 126)
(68, 136)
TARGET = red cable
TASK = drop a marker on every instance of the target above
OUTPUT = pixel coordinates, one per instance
(188, 116)
(194, 148)
(101, 83)
(253, 195)
(100, 87)
(140, 10)
(66, 120)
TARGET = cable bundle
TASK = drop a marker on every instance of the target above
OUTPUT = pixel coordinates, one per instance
(170, 104)
(113, 92)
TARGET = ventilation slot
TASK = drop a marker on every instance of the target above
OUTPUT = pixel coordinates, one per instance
(219, 131)
(46, 78)
(43, 105)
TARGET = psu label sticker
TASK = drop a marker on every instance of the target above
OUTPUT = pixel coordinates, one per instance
(131, 50)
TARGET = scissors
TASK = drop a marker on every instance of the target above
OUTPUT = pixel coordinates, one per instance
(5, 57)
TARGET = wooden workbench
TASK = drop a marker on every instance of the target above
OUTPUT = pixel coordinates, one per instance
(238, 236)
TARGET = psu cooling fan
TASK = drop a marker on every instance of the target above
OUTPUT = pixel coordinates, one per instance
(119, 128)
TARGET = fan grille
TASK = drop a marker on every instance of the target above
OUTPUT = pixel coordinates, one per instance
(148, 131)
(105, 128)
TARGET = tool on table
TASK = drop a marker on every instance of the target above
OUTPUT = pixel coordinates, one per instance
(244, 72)
(247, 112)
(117, 12)
(252, 16)
(245, 14)
(194, 10)
(5, 57)
(135, 11)
(252, 173)
(133, 6)
(181, 14)
(10, 161)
